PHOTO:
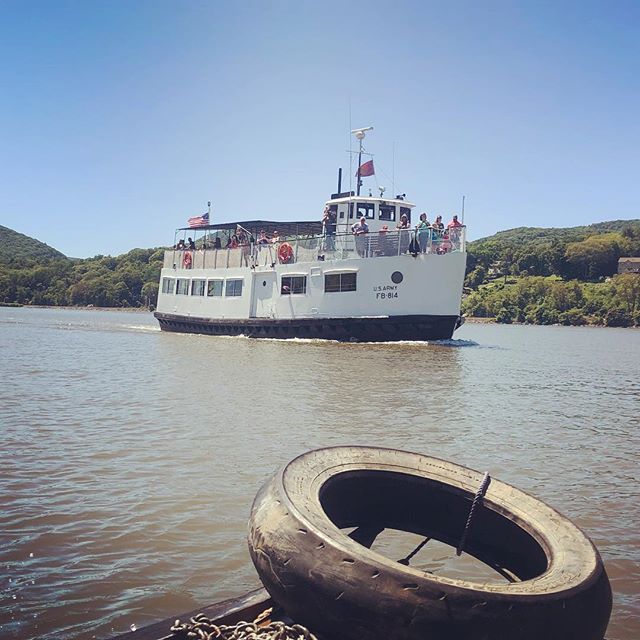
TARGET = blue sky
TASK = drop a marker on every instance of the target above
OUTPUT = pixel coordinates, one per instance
(120, 119)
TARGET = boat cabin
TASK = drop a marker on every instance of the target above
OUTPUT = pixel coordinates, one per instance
(377, 212)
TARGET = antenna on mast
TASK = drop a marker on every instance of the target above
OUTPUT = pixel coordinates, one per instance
(393, 170)
(360, 134)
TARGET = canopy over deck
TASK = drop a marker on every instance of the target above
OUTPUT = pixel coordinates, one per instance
(284, 228)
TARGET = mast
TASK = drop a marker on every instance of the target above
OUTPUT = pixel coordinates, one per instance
(360, 134)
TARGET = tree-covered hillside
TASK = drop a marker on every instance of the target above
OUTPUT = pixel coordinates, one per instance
(129, 280)
(528, 235)
(15, 246)
(549, 276)
(586, 253)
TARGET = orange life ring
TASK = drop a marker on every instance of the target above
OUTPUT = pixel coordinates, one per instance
(285, 253)
(186, 261)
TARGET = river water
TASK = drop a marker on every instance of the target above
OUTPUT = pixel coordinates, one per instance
(129, 457)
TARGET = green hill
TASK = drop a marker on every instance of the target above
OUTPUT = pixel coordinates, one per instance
(549, 276)
(586, 253)
(13, 244)
(538, 235)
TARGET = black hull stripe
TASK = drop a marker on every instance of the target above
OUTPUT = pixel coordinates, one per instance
(419, 327)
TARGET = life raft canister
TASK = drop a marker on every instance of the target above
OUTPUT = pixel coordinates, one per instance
(186, 261)
(285, 253)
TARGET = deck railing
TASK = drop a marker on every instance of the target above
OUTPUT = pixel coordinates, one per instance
(319, 248)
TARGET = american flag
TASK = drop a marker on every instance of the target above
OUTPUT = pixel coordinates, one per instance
(199, 221)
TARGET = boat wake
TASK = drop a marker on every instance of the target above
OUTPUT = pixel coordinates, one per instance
(146, 328)
(408, 343)
(456, 343)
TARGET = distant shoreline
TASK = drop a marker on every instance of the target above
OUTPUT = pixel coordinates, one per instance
(483, 320)
(76, 307)
(479, 320)
(467, 319)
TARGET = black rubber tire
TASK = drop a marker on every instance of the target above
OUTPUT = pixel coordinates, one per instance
(326, 580)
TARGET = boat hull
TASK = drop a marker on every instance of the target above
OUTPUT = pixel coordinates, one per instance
(377, 329)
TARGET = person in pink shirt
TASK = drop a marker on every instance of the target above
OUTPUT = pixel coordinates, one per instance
(454, 223)
(454, 228)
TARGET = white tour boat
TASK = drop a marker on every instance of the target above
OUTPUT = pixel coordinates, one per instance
(267, 279)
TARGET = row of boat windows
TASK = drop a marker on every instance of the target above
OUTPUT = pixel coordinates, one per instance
(367, 210)
(232, 287)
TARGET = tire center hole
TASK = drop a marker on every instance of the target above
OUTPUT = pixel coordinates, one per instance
(435, 557)
(392, 513)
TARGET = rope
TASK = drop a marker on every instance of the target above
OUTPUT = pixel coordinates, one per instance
(202, 628)
(406, 560)
(477, 500)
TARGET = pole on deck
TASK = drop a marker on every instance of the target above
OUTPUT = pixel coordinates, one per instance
(359, 164)
(360, 134)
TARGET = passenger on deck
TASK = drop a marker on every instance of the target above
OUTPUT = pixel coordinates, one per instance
(403, 228)
(329, 220)
(245, 245)
(437, 233)
(454, 223)
(275, 237)
(444, 246)
(454, 228)
(181, 246)
(262, 238)
(192, 244)
(217, 243)
(423, 232)
(360, 230)
(233, 243)
(384, 248)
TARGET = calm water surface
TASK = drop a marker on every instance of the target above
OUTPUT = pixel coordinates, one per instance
(129, 458)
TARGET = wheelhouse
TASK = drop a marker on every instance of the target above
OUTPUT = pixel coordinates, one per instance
(377, 212)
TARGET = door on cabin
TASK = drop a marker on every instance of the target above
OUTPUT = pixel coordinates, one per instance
(264, 295)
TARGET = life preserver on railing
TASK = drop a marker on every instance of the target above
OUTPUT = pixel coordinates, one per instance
(285, 253)
(186, 261)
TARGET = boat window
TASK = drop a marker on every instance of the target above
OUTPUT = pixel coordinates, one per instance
(168, 285)
(214, 288)
(366, 209)
(197, 287)
(234, 288)
(339, 282)
(388, 212)
(182, 287)
(293, 284)
(405, 211)
(351, 209)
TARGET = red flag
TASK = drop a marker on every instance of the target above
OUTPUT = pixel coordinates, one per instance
(366, 169)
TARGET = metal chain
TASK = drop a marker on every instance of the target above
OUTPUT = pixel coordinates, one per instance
(482, 489)
(202, 628)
